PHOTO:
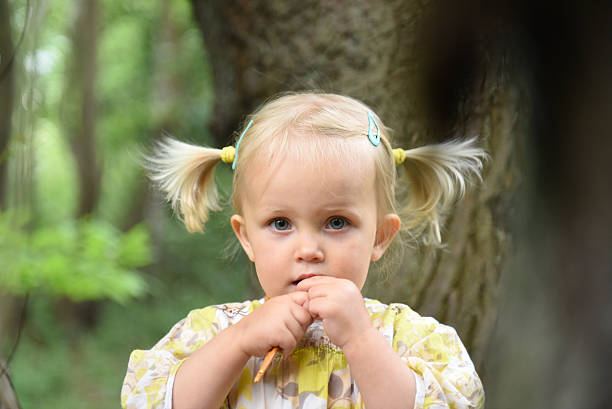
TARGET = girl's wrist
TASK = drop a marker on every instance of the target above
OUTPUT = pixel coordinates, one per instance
(358, 344)
(234, 336)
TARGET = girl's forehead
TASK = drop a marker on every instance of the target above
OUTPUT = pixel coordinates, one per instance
(327, 167)
(306, 184)
(352, 157)
(312, 151)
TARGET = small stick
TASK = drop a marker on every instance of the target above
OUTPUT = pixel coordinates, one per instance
(267, 360)
(266, 363)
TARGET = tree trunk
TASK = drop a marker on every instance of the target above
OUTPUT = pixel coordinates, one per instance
(8, 398)
(79, 110)
(381, 52)
(11, 313)
(259, 48)
(6, 95)
(163, 104)
(553, 341)
(79, 117)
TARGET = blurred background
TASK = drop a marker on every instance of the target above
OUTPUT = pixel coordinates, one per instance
(93, 264)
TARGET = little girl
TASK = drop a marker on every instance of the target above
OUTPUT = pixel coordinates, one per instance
(314, 201)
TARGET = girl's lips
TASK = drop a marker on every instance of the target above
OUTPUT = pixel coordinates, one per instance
(303, 277)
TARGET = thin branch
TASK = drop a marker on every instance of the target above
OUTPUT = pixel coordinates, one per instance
(4, 371)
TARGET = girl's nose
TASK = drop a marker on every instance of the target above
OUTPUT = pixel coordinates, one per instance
(308, 249)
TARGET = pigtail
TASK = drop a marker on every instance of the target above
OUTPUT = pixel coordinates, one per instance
(186, 174)
(438, 175)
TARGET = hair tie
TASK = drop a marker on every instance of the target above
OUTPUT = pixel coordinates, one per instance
(238, 144)
(399, 155)
(227, 154)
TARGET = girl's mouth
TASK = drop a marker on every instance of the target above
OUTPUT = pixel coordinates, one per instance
(302, 277)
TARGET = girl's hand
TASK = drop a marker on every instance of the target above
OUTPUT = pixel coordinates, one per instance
(279, 322)
(339, 304)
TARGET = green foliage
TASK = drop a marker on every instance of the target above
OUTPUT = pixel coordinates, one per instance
(56, 360)
(55, 174)
(83, 260)
(152, 76)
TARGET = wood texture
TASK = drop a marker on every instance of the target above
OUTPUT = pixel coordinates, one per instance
(7, 86)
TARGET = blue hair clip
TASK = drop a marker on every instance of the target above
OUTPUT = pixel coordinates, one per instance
(238, 144)
(374, 138)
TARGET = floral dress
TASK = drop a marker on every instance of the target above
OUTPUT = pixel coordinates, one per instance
(316, 375)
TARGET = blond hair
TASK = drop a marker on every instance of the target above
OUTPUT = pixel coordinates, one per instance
(316, 126)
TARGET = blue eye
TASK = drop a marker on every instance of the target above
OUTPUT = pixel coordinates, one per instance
(337, 223)
(280, 224)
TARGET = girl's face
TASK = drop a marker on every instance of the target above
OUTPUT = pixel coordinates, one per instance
(299, 221)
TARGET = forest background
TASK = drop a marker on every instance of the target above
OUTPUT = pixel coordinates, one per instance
(93, 264)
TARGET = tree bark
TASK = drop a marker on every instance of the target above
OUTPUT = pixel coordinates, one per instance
(79, 113)
(259, 48)
(552, 342)
(11, 316)
(6, 95)
(8, 398)
(79, 117)
(381, 52)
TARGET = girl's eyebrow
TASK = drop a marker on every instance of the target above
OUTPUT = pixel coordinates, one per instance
(340, 209)
(345, 205)
(265, 212)
(273, 209)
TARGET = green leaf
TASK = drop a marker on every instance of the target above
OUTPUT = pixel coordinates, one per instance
(84, 260)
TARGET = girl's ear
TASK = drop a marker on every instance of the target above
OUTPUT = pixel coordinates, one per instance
(239, 226)
(385, 232)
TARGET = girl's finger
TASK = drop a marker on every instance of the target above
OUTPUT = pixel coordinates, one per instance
(317, 291)
(287, 343)
(319, 307)
(295, 328)
(302, 315)
(305, 284)
(299, 297)
(306, 306)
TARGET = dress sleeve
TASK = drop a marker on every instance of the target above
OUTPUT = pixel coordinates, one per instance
(445, 375)
(150, 374)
